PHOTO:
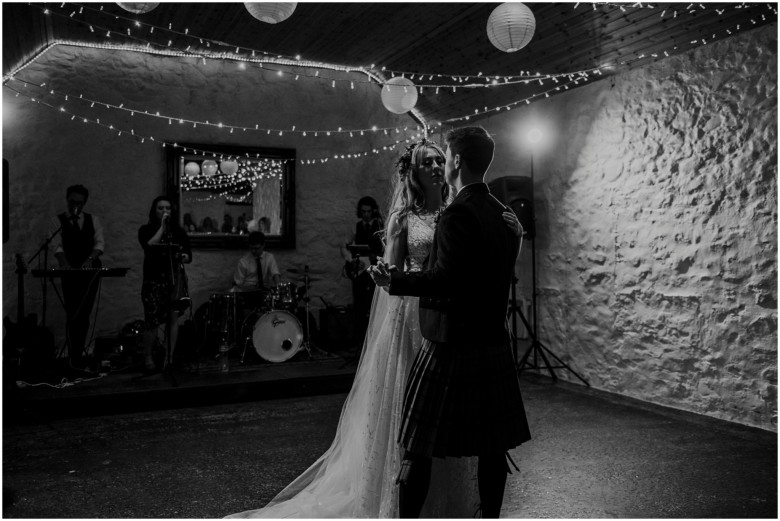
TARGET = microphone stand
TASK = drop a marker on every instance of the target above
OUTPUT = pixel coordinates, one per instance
(45, 250)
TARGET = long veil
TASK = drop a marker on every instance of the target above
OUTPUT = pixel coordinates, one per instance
(355, 477)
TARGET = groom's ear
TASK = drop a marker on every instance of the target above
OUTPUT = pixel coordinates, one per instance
(456, 161)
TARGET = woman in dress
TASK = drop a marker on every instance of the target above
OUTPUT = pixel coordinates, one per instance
(355, 477)
(162, 273)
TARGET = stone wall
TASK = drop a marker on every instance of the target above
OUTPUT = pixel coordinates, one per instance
(47, 151)
(656, 208)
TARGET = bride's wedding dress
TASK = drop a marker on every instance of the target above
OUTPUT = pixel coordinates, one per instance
(355, 477)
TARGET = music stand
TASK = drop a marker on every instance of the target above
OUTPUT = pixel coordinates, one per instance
(358, 250)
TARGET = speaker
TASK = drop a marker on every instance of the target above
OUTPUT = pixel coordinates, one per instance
(337, 328)
(517, 192)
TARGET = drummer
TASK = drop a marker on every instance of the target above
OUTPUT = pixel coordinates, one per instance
(257, 269)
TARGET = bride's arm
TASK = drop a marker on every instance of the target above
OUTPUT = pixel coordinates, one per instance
(395, 249)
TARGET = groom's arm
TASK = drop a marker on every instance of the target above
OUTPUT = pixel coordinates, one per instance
(455, 235)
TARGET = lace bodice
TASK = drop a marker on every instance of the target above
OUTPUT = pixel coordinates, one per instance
(419, 237)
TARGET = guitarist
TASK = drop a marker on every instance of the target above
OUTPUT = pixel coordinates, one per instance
(80, 245)
(368, 231)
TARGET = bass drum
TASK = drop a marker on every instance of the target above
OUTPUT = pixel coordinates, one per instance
(277, 336)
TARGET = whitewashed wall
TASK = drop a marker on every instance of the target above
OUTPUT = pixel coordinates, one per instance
(48, 151)
(657, 222)
(656, 207)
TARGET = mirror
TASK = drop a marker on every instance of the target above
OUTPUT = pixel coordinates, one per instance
(225, 192)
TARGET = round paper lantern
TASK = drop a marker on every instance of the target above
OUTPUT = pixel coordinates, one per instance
(511, 26)
(192, 169)
(209, 167)
(399, 95)
(271, 12)
(228, 167)
(138, 7)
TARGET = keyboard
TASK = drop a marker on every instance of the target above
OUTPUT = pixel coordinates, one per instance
(100, 272)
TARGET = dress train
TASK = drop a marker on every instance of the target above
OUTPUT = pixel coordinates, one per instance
(355, 477)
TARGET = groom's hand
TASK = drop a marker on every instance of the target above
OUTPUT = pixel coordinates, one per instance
(380, 273)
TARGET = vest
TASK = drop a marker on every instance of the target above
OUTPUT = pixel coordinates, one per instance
(370, 237)
(77, 243)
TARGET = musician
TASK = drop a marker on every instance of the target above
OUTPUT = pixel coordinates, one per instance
(166, 248)
(368, 231)
(79, 245)
(257, 269)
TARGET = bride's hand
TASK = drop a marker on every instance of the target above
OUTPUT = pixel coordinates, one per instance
(380, 273)
(513, 222)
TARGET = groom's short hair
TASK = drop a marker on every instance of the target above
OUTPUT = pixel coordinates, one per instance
(475, 147)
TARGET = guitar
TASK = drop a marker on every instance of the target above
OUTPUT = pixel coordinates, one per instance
(362, 258)
(25, 341)
(354, 268)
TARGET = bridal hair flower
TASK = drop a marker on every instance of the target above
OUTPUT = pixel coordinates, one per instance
(404, 163)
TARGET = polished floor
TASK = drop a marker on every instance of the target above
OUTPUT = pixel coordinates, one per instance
(594, 455)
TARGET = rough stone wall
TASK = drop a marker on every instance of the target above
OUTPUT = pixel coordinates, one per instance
(656, 211)
(48, 151)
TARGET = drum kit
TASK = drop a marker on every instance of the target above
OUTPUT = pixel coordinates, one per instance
(265, 318)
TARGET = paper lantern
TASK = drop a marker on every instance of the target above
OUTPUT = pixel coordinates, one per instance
(209, 167)
(192, 169)
(228, 167)
(511, 26)
(399, 95)
(138, 7)
(271, 12)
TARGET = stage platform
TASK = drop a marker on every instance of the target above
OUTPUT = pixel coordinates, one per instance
(65, 392)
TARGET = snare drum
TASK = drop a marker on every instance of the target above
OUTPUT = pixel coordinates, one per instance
(277, 336)
(286, 297)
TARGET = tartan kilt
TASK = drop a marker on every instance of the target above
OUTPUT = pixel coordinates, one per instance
(463, 400)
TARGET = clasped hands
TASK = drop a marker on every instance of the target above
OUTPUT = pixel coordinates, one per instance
(380, 273)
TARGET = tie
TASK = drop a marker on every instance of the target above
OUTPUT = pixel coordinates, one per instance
(259, 273)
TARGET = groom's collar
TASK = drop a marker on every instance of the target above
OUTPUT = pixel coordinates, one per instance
(471, 188)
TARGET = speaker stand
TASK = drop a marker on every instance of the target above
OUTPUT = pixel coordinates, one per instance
(537, 348)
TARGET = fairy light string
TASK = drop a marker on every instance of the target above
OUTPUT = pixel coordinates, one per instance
(238, 52)
(572, 79)
(247, 54)
(210, 154)
(310, 132)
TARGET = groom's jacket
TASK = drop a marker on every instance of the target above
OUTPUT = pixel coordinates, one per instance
(465, 288)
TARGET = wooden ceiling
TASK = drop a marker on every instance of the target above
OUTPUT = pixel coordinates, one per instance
(447, 39)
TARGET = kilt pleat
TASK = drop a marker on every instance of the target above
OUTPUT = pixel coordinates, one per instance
(462, 400)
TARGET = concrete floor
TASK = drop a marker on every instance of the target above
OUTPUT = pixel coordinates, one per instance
(593, 455)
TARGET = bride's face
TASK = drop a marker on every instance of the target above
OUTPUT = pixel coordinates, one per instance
(431, 170)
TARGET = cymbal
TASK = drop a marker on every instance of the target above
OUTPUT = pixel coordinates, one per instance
(303, 271)
(311, 279)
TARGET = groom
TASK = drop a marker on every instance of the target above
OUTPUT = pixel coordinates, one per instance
(462, 397)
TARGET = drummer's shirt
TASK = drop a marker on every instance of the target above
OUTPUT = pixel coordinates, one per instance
(246, 275)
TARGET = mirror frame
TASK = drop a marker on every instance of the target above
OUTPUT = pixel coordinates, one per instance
(229, 241)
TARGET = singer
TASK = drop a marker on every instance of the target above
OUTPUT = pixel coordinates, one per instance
(79, 246)
(166, 248)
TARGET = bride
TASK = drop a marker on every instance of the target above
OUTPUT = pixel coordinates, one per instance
(355, 477)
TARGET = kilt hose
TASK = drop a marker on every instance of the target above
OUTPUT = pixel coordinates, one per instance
(462, 400)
